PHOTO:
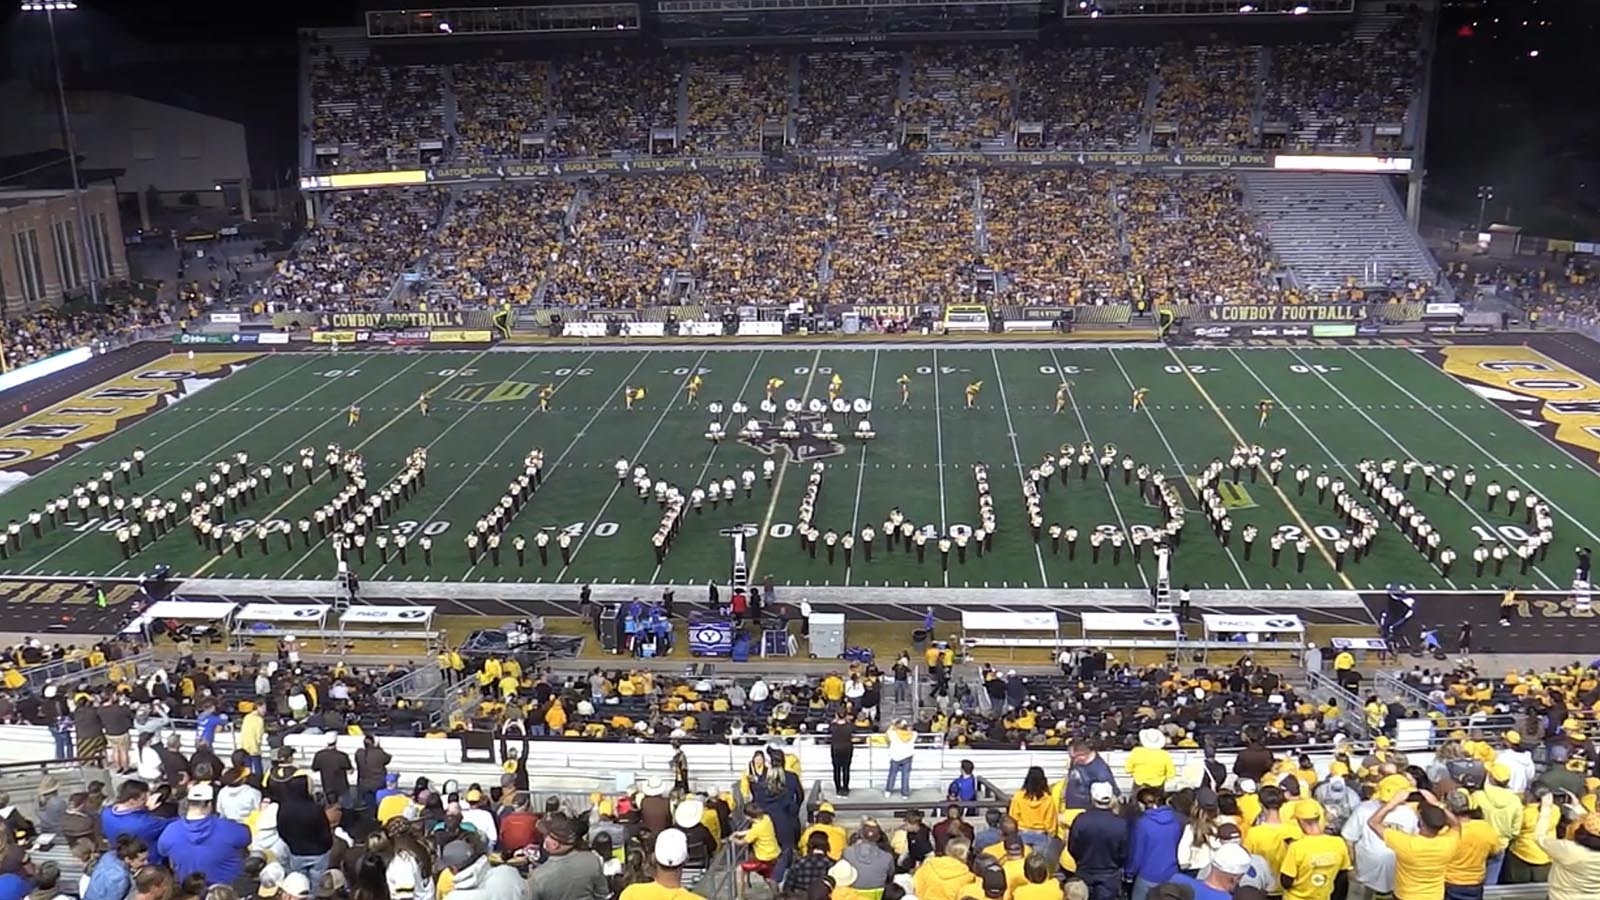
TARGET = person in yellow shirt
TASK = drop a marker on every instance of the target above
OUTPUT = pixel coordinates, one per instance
(1034, 808)
(1016, 855)
(824, 825)
(1526, 862)
(942, 877)
(761, 837)
(1269, 838)
(1420, 859)
(1467, 871)
(1502, 809)
(989, 885)
(832, 687)
(1311, 865)
(251, 733)
(1039, 885)
(1149, 764)
(555, 718)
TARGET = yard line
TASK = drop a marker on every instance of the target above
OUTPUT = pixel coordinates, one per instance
(1315, 437)
(938, 428)
(861, 467)
(564, 453)
(654, 576)
(471, 407)
(1011, 432)
(727, 422)
(1111, 494)
(584, 538)
(184, 473)
(1490, 456)
(1407, 451)
(454, 373)
(777, 483)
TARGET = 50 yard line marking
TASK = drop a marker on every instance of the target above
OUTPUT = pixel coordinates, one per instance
(861, 467)
(273, 514)
(1016, 452)
(777, 483)
(1330, 454)
(1305, 527)
(584, 538)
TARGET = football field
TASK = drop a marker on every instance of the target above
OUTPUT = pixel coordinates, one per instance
(1332, 407)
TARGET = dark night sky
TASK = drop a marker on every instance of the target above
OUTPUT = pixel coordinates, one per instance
(1513, 103)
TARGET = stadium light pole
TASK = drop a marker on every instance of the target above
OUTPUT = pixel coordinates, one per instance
(50, 8)
(1485, 194)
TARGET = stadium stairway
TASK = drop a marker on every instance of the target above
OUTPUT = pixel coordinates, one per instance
(1330, 227)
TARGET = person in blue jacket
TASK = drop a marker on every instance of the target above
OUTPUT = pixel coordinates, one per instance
(964, 787)
(1087, 770)
(111, 877)
(131, 815)
(204, 842)
(1153, 843)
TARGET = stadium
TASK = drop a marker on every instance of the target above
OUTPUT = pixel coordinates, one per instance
(729, 448)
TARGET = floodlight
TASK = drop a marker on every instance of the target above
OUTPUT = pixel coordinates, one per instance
(49, 5)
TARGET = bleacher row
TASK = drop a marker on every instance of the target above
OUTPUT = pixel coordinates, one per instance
(1053, 237)
(1349, 93)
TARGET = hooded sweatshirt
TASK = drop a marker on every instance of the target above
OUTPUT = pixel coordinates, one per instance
(941, 878)
(485, 881)
(238, 801)
(141, 823)
(210, 845)
(1153, 845)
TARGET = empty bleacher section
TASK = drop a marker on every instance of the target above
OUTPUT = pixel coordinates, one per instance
(1330, 229)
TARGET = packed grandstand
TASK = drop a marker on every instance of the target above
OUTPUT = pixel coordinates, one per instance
(177, 767)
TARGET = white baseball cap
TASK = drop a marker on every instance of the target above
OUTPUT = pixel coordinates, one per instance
(295, 884)
(1229, 859)
(1101, 792)
(672, 848)
(200, 793)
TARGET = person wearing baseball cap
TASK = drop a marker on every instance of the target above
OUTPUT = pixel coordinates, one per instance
(824, 824)
(296, 886)
(1502, 809)
(1229, 863)
(1517, 760)
(204, 842)
(1098, 841)
(1467, 871)
(671, 852)
(1313, 864)
(1421, 858)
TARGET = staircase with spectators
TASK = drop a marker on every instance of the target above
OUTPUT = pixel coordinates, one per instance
(1331, 227)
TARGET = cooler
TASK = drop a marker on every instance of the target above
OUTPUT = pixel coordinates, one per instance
(827, 635)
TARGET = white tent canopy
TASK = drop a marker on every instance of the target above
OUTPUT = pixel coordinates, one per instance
(1129, 623)
(208, 612)
(395, 623)
(1009, 629)
(309, 613)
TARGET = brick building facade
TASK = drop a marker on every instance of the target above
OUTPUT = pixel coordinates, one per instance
(41, 256)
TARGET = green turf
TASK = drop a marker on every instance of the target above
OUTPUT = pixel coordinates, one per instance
(1335, 406)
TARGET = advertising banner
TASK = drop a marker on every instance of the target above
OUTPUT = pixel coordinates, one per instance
(644, 329)
(321, 336)
(406, 337)
(461, 336)
(700, 329)
(272, 337)
(394, 320)
(226, 318)
(584, 329)
(1213, 332)
(1442, 310)
(1333, 331)
(237, 338)
(47, 366)
(753, 328)
(1369, 329)
(1306, 312)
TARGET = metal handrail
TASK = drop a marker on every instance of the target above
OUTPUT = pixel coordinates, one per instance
(1350, 706)
(77, 670)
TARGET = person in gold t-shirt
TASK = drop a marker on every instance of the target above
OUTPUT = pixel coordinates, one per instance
(1312, 864)
(1421, 858)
